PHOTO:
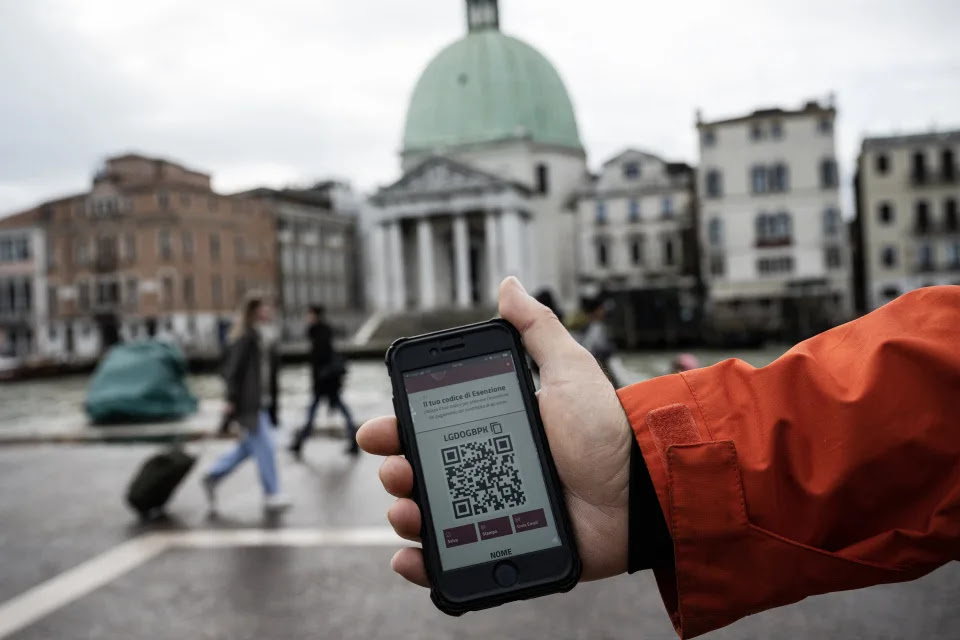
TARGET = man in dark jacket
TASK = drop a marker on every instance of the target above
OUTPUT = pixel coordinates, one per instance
(328, 369)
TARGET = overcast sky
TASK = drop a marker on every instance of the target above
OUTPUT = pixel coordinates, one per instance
(293, 90)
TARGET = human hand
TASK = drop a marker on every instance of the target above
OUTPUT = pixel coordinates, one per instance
(589, 438)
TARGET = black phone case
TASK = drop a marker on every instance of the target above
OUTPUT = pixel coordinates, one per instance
(431, 560)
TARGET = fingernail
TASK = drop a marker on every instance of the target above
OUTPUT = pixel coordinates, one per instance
(515, 282)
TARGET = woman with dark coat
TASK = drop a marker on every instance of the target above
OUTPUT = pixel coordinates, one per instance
(250, 374)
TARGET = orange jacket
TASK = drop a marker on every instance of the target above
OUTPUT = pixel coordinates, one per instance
(835, 467)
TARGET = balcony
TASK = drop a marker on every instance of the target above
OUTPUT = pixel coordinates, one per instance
(768, 242)
(947, 176)
(106, 262)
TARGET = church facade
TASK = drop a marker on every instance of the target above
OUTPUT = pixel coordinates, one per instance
(491, 161)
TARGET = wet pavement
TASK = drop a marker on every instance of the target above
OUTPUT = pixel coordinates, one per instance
(61, 506)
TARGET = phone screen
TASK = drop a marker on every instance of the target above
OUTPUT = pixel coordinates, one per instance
(483, 477)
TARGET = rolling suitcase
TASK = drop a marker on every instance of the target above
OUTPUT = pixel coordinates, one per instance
(157, 479)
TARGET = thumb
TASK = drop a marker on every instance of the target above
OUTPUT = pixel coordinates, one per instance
(545, 338)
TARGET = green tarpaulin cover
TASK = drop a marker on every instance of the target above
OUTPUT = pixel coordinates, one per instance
(140, 382)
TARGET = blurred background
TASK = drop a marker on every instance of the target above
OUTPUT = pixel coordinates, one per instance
(701, 180)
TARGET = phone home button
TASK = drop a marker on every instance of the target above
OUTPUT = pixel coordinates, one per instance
(505, 574)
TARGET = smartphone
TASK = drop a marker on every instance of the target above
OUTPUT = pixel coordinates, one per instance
(494, 524)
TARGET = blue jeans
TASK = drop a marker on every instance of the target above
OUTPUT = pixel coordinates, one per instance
(259, 444)
(335, 403)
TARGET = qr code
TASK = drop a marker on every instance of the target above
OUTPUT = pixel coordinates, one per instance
(482, 476)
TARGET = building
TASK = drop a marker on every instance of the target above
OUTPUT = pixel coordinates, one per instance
(637, 240)
(23, 290)
(317, 252)
(150, 250)
(491, 158)
(775, 249)
(908, 188)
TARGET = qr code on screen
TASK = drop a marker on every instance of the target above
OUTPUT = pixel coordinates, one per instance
(482, 476)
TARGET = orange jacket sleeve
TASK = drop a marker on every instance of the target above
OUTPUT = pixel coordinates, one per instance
(835, 467)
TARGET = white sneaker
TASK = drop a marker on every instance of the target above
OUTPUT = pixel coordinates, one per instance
(276, 502)
(210, 490)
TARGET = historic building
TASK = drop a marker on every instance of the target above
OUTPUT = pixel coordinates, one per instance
(150, 250)
(491, 158)
(318, 253)
(908, 190)
(775, 247)
(637, 240)
(23, 290)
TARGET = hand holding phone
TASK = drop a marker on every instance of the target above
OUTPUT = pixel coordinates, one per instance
(588, 434)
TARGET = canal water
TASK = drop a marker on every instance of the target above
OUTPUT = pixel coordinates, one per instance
(39, 405)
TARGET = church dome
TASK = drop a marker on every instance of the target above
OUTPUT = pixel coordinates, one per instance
(487, 87)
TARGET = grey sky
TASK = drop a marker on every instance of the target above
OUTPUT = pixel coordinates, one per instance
(293, 90)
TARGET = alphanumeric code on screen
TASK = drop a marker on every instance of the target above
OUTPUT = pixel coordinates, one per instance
(483, 477)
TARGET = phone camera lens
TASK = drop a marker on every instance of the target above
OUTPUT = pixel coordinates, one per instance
(434, 351)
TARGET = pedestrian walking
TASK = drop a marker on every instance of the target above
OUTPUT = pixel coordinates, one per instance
(250, 374)
(328, 370)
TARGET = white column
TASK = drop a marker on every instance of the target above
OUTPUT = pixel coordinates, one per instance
(428, 283)
(380, 268)
(513, 244)
(398, 288)
(491, 229)
(461, 258)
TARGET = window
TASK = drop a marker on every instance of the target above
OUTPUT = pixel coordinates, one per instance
(831, 222)
(774, 265)
(81, 251)
(187, 245)
(718, 265)
(166, 244)
(238, 248)
(953, 254)
(601, 252)
(167, 291)
(131, 296)
(882, 163)
(163, 198)
(922, 222)
(714, 183)
(631, 170)
(130, 247)
(833, 257)
(756, 131)
(636, 250)
(83, 296)
(666, 207)
(758, 179)
(669, 254)
(634, 210)
(925, 256)
(708, 138)
(828, 173)
(948, 168)
(601, 212)
(888, 256)
(950, 222)
(773, 230)
(885, 213)
(215, 247)
(184, 199)
(188, 294)
(919, 167)
(776, 129)
(543, 179)
(108, 293)
(301, 259)
(825, 125)
(213, 203)
(890, 292)
(52, 301)
(715, 232)
(241, 288)
(216, 291)
(779, 178)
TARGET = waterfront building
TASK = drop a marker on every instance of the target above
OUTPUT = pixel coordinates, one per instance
(908, 190)
(775, 248)
(23, 291)
(637, 241)
(149, 250)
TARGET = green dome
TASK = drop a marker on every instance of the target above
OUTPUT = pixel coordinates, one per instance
(485, 87)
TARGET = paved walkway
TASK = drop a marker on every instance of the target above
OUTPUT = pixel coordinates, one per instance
(77, 564)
